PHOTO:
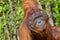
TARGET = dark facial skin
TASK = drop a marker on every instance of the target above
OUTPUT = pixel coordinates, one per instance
(37, 20)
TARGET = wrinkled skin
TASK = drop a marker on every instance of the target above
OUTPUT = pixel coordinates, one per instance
(39, 30)
(35, 25)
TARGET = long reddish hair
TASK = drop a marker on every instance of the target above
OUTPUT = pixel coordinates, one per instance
(25, 32)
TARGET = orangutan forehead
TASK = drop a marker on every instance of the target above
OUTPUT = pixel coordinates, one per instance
(37, 14)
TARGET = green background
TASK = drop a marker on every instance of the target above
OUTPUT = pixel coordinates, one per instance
(12, 14)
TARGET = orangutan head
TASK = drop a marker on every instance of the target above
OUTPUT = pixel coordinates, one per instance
(37, 20)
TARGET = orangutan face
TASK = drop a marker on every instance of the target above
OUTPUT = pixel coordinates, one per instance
(39, 24)
(37, 20)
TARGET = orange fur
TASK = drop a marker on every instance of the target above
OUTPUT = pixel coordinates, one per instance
(24, 31)
(29, 5)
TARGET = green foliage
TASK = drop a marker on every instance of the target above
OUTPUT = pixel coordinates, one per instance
(55, 12)
(12, 14)
(10, 18)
